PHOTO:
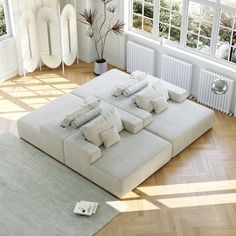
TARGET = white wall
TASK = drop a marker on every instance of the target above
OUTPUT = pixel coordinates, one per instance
(8, 61)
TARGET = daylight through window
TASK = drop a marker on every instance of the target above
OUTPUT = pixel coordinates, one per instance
(3, 27)
(208, 27)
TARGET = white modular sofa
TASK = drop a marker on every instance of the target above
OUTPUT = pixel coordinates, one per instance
(147, 143)
(181, 124)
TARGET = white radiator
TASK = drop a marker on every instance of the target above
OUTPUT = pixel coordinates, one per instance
(207, 97)
(177, 72)
(140, 58)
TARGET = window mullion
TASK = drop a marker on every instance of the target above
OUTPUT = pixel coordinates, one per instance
(184, 23)
(215, 31)
(156, 18)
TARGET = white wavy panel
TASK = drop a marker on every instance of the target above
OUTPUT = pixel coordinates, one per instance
(29, 44)
(177, 72)
(69, 34)
(140, 58)
(49, 37)
(207, 97)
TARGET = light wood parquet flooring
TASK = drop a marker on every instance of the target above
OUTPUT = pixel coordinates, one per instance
(193, 195)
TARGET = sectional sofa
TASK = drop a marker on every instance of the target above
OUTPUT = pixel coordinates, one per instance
(147, 142)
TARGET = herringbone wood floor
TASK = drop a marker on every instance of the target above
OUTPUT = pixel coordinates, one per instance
(194, 194)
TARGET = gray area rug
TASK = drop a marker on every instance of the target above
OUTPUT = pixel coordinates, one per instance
(38, 194)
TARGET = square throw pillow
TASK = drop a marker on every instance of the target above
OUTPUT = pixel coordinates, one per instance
(110, 137)
(160, 104)
(144, 98)
(92, 130)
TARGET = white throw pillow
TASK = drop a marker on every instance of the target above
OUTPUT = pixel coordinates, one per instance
(110, 137)
(161, 89)
(135, 88)
(138, 75)
(119, 88)
(113, 118)
(160, 104)
(144, 98)
(93, 129)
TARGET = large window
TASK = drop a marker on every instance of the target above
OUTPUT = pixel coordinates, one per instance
(4, 24)
(205, 26)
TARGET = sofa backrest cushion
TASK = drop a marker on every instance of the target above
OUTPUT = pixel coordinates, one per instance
(143, 99)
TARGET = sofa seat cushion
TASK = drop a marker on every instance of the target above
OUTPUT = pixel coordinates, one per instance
(104, 82)
(52, 137)
(124, 166)
(28, 126)
(181, 124)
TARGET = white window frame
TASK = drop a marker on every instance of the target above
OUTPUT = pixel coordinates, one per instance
(7, 20)
(217, 6)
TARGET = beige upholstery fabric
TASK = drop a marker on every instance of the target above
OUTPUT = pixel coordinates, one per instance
(161, 89)
(28, 126)
(93, 129)
(119, 172)
(131, 123)
(181, 124)
(160, 104)
(88, 116)
(110, 137)
(125, 103)
(144, 98)
(118, 89)
(104, 83)
(135, 88)
(80, 154)
(52, 137)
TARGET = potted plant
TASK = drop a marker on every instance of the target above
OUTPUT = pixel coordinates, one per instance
(100, 25)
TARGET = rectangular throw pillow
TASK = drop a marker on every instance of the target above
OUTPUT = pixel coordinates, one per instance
(110, 137)
(119, 88)
(88, 104)
(135, 88)
(160, 104)
(86, 117)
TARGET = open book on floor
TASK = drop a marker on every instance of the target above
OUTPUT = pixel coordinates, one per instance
(85, 208)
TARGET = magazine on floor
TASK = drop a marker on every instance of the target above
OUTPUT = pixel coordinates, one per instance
(85, 208)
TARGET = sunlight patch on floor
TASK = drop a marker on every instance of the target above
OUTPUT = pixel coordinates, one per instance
(199, 200)
(188, 188)
(133, 205)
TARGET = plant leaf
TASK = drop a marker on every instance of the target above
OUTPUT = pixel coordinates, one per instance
(118, 27)
(89, 17)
